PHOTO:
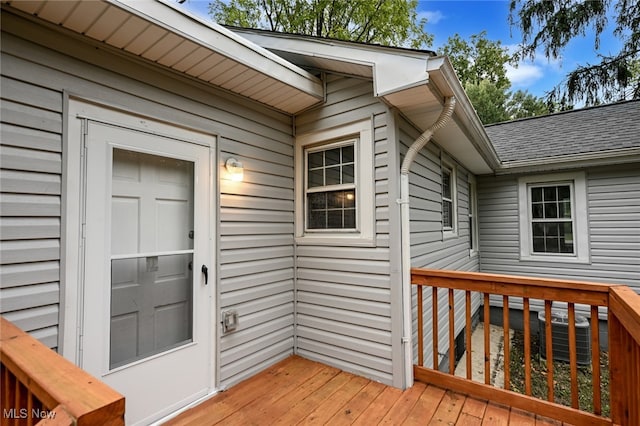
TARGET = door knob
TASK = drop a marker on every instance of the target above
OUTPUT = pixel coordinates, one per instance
(205, 271)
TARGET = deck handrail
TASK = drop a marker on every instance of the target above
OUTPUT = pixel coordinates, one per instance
(624, 335)
(38, 385)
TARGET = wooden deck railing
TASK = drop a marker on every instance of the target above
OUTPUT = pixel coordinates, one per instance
(623, 329)
(38, 386)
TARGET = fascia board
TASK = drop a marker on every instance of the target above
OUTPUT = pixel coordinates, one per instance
(223, 41)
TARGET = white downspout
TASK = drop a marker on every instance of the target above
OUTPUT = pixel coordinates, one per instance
(413, 151)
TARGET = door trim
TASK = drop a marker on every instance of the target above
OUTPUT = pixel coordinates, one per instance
(78, 112)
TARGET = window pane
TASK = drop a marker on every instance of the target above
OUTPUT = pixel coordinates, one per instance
(552, 245)
(317, 201)
(566, 240)
(327, 209)
(447, 218)
(538, 230)
(536, 194)
(564, 193)
(446, 184)
(538, 245)
(552, 229)
(350, 218)
(333, 175)
(347, 154)
(334, 200)
(349, 199)
(332, 157)
(316, 178)
(550, 193)
(316, 159)
(564, 209)
(317, 219)
(550, 210)
(334, 219)
(331, 210)
(536, 211)
(348, 173)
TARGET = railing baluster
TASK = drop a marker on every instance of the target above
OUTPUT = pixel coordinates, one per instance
(573, 355)
(452, 324)
(30, 407)
(507, 342)
(527, 345)
(434, 316)
(624, 342)
(595, 360)
(487, 340)
(420, 328)
(549, 350)
(468, 331)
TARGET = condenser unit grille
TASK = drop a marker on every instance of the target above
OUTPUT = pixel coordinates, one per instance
(560, 336)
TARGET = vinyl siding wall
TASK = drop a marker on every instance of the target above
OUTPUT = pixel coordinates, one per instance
(429, 247)
(613, 204)
(343, 305)
(31, 176)
(256, 218)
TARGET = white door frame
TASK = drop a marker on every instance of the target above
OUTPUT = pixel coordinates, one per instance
(71, 268)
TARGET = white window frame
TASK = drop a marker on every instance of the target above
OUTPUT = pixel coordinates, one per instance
(473, 217)
(364, 233)
(450, 231)
(578, 185)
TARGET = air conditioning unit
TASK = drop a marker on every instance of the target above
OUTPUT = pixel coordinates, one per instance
(560, 336)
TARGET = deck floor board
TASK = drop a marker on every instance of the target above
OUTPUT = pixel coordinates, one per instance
(300, 391)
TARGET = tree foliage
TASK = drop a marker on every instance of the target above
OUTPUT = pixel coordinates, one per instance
(481, 67)
(549, 25)
(478, 59)
(387, 22)
(489, 101)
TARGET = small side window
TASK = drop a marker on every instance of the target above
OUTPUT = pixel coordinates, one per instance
(449, 202)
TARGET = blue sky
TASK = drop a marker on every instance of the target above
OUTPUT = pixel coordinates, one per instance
(466, 17)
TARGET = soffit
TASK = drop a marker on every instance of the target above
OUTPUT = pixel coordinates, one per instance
(156, 31)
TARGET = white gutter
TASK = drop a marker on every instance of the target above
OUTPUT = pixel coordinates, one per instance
(405, 248)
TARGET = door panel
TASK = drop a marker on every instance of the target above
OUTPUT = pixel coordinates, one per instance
(147, 310)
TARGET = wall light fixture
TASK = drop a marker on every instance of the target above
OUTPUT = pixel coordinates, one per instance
(235, 169)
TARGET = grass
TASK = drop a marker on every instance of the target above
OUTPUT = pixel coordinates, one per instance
(561, 376)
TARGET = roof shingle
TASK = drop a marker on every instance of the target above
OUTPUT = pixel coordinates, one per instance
(589, 130)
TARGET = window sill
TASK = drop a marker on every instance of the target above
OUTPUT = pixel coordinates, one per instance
(554, 259)
(447, 235)
(343, 240)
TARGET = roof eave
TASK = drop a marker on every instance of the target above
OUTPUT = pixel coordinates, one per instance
(443, 75)
(167, 37)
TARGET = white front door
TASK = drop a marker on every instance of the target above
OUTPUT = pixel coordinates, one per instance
(148, 275)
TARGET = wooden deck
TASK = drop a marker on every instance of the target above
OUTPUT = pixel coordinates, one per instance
(297, 390)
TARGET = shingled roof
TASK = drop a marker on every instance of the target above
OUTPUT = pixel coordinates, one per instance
(605, 128)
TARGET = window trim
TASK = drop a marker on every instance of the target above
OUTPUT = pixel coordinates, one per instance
(450, 232)
(577, 183)
(364, 233)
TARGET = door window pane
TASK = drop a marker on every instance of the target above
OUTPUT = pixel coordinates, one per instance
(151, 306)
(151, 299)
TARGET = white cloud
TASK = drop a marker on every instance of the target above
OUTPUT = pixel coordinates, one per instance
(524, 75)
(433, 16)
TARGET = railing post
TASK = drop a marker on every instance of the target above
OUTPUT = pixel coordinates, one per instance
(616, 373)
